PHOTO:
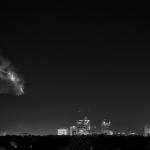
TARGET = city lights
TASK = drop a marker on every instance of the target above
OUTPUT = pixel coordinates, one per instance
(84, 127)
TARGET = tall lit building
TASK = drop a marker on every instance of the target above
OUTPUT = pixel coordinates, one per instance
(62, 131)
(73, 130)
(105, 127)
(83, 126)
(147, 130)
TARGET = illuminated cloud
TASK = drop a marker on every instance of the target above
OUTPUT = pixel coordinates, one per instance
(10, 81)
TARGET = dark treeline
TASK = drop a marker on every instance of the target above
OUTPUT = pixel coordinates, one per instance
(53, 142)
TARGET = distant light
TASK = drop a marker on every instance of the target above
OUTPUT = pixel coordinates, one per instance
(4, 133)
(13, 144)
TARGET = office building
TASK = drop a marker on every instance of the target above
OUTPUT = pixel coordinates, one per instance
(105, 127)
(62, 131)
(147, 130)
(83, 126)
(73, 130)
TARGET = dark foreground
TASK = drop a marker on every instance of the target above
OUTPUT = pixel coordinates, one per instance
(52, 142)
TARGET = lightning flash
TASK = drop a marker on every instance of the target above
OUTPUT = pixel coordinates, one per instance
(9, 75)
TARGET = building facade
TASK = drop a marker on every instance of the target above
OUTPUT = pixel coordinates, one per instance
(105, 127)
(83, 126)
(147, 130)
(73, 130)
(62, 131)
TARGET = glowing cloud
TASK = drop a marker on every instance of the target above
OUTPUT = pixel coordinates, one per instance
(10, 79)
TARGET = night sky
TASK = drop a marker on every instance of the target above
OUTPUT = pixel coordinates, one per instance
(77, 60)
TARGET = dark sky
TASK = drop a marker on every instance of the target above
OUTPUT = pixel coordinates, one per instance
(93, 58)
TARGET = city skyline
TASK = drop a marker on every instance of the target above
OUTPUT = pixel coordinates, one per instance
(84, 127)
(76, 60)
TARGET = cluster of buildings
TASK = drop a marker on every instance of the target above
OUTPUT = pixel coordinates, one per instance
(83, 127)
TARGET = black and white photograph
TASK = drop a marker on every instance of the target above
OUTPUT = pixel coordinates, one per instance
(75, 76)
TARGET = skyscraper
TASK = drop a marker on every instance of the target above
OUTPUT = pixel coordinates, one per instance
(83, 126)
(105, 127)
(147, 130)
(73, 130)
